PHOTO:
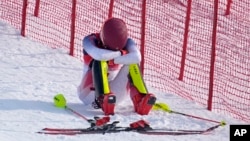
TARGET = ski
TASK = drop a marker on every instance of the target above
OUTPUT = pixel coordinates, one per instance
(117, 131)
(140, 127)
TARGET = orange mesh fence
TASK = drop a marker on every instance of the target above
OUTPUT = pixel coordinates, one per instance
(199, 49)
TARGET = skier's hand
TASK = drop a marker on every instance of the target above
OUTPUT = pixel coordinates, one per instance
(111, 62)
(123, 52)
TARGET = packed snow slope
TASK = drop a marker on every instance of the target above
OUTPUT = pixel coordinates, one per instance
(32, 74)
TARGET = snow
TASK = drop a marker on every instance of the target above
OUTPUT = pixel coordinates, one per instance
(32, 74)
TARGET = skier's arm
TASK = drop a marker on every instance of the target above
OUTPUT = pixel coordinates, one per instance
(132, 57)
(98, 53)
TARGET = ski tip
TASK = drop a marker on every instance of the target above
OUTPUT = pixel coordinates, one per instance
(44, 128)
(39, 132)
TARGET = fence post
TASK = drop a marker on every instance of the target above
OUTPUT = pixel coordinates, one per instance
(228, 7)
(24, 14)
(111, 5)
(36, 11)
(185, 41)
(72, 35)
(213, 54)
(143, 26)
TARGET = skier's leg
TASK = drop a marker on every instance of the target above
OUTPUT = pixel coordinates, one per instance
(119, 85)
(84, 89)
(103, 95)
(142, 100)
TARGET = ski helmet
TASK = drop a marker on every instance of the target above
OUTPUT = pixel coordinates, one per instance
(114, 34)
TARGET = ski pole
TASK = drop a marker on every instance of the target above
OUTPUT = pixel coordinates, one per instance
(192, 116)
(60, 101)
(166, 108)
(97, 120)
(76, 113)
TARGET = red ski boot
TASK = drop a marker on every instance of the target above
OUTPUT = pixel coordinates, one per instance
(108, 104)
(143, 103)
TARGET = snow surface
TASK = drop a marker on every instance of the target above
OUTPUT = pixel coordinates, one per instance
(32, 74)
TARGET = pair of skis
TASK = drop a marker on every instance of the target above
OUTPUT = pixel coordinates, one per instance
(101, 126)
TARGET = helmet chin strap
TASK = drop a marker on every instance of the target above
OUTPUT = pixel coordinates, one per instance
(101, 36)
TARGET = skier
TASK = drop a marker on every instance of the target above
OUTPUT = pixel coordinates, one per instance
(111, 70)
